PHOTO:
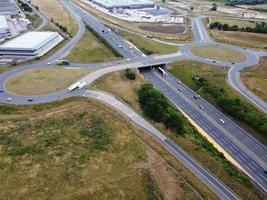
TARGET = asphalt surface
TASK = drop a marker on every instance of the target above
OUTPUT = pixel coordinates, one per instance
(249, 153)
(255, 158)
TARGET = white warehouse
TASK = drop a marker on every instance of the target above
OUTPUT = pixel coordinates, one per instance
(130, 4)
(31, 44)
(4, 28)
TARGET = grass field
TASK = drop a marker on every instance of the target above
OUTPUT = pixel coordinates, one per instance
(126, 90)
(231, 22)
(80, 149)
(251, 40)
(44, 80)
(218, 53)
(255, 78)
(150, 45)
(90, 49)
(53, 9)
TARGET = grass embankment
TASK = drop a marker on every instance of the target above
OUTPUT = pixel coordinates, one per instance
(218, 53)
(44, 80)
(219, 93)
(148, 46)
(135, 26)
(91, 49)
(190, 140)
(80, 149)
(255, 78)
(54, 10)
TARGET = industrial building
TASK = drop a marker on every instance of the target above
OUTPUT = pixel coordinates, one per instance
(129, 4)
(4, 28)
(8, 7)
(31, 44)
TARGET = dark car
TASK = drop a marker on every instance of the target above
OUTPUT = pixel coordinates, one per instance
(1, 91)
(30, 99)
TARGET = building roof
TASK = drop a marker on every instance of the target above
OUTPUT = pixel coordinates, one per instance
(29, 41)
(123, 3)
(3, 22)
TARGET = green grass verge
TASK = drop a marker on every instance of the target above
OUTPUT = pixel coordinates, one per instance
(92, 48)
(44, 80)
(148, 46)
(218, 53)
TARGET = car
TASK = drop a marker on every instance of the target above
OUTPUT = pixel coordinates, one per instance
(179, 82)
(196, 96)
(30, 99)
(9, 99)
(222, 121)
(214, 61)
(48, 63)
(265, 170)
(179, 89)
(120, 46)
(201, 107)
(1, 91)
(233, 63)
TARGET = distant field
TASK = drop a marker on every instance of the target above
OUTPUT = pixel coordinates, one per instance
(54, 10)
(44, 80)
(255, 78)
(80, 149)
(90, 49)
(169, 29)
(145, 44)
(231, 22)
(218, 53)
(252, 40)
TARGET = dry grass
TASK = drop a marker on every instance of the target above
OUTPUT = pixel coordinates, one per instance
(252, 40)
(44, 80)
(218, 53)
(255, 78)
(231, 22)
(44, 156)
(53, 9)
(153, 46)
(90, 49)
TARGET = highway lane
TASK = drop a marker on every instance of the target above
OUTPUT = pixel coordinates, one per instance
(236, 145)
(215, 184)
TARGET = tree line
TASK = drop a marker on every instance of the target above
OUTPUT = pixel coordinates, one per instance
(157, 107)
(259, 27)
(24, 6)
(232, 105)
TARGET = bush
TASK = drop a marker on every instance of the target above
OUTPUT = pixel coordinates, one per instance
(232, 105)
(129, 74)
(259, 27)
(157, 107)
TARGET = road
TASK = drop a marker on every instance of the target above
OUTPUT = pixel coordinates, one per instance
(249, 153)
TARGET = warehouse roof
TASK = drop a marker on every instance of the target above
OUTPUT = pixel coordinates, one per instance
(3, 22)
(123, 3)
(29, 41)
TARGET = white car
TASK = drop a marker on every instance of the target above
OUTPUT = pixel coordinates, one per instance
(9, 99)
(48, 63)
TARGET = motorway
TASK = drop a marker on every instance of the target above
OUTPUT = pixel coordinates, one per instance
(241, 146)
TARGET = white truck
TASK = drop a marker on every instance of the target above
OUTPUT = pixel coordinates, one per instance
(82, 85)
(74, 86)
